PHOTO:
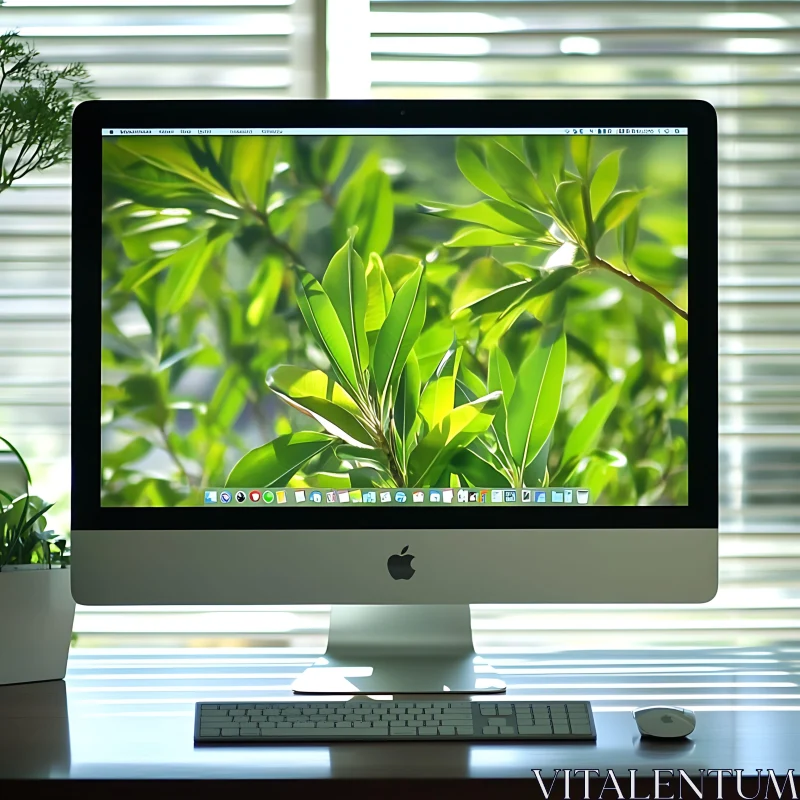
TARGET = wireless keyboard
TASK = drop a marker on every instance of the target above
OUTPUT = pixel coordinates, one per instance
(402, 720)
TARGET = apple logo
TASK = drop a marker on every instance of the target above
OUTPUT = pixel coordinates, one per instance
(666, 718)
(399, 565)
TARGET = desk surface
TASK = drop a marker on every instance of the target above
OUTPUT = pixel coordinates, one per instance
(129, 713)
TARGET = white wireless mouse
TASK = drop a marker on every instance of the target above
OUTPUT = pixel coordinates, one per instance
(665, 722)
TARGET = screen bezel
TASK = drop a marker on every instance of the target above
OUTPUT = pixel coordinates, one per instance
(91, 117)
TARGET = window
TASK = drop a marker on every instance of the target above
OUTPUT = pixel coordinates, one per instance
(744, 57)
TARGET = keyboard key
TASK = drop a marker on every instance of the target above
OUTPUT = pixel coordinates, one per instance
(496, 721)
(489, 730)
(581, 728)
(209, 731)
(447, 730)
(558, 728)
(535, 730)
(230, 731)
(404, 731)
(464, 731)
(427, 731)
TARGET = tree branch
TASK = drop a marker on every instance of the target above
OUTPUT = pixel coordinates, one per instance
(174, 456)
(273, 239)
(645, 287)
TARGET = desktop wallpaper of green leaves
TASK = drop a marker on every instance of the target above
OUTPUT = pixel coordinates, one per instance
(394, 311)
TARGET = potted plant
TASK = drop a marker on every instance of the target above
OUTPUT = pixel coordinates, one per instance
(36, 626)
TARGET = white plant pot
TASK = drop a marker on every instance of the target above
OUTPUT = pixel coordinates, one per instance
(36, 615)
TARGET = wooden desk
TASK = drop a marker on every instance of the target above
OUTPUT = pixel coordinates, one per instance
(128, 715)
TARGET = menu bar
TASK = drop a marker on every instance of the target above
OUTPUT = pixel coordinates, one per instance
(574, 131)
(294, 496)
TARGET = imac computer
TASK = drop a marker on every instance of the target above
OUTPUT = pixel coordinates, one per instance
(395, 357)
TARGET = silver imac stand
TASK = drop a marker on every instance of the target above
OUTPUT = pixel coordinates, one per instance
(407, 649)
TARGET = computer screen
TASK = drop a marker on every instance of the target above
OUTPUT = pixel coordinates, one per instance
(394, 318)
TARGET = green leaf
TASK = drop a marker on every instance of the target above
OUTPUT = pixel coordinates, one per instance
(616, 210)
(656, 262)
(585, 435)
(185, 273)
(331, 156)
(172, 155)
(470, 384)
(492, 214)
(496, 301)
(478, 471)
(546, 157)
(456, 430)
(581, 147)
(248, 162)
(379, 294)
(368, 478)
(501, 376)
(399, 332)
(369, 456)
(134, 450)
(228, 400)
(535, 474)
(501, 379)
(345, 283)
(482, 237)
(470, 160)
(19, 457)
(505, 300)
(399, 268)
(314, 394)
(534, 405)
(366, 203)
(323, 321)
(515, 177)
(605, 179)
(300, 382)
(406, 405)
(431, 347)
(628, 232)
(144, 398)
(274, 463)
(570, 201)
(266, 289)
(484, 276)
(438, 397)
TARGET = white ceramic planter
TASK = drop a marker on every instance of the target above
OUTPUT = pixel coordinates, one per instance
(36, 615)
